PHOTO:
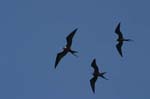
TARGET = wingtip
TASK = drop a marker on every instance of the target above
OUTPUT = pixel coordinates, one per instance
(121, 55)
(55, 66)
(94, 59)
(119, 23)
(93, 92)
(93, 62)
(75, 29)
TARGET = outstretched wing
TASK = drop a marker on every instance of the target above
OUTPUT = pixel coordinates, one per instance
(119, 46)
(59, 57)
(94, 65)
(118, 32)
(69, 38)
(92, 83)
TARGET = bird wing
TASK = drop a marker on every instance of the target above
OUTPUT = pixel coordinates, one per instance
(59, 57)
(118, 32)
(92, 83)
(94, 65)
(119, 46)
(69, 38)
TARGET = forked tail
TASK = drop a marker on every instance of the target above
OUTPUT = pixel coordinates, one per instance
(102, 75)
(73, 53)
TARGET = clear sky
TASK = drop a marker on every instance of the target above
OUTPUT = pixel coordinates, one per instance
(32, 32)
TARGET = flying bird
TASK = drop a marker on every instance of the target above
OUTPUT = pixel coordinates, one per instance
(96, 74)
(120, 39)
(67, 48)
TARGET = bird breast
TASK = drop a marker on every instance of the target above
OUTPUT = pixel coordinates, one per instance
(66, 48)
(96, 74)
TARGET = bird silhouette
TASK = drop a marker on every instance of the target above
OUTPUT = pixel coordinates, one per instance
(120, 39)
(67, 48)
(96, 74)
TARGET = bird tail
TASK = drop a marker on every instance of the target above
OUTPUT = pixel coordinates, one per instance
(102, 75)
(73, 52)
(128, 40)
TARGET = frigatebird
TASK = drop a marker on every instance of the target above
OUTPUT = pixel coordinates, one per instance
(96, 74)
(120, 39)
(67, 48)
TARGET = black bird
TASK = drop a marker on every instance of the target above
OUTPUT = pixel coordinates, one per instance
(96, 74)
(67, 48)
(120, 39)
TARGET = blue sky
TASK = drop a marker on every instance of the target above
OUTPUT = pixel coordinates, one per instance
(32, 32)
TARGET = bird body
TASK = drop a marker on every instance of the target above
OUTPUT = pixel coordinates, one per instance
(120, 39)
(96, 74)
(67, 48)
